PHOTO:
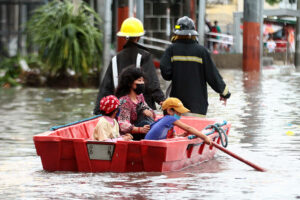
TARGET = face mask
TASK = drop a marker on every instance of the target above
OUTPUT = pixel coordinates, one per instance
(118, 113)
(140, 88)
(177, 116)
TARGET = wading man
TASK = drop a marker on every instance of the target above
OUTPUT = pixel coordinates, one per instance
(131, 54)
(190, 67)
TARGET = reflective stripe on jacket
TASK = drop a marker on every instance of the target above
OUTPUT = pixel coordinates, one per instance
(129, 56)
(190, 67)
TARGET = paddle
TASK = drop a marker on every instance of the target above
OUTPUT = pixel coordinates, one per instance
(238, 157)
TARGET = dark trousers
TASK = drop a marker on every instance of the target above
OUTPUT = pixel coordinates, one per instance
(140, 136)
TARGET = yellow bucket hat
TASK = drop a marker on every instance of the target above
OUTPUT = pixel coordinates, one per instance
(174, 103)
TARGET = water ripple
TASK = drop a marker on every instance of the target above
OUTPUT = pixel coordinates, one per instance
(264, 113)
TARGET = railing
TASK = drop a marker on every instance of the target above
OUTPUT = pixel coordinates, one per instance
(220, 39)
(223, 38)
(160, 43)
(219, 42)
(13, 17)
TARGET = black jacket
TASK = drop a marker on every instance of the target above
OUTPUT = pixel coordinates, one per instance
(190, 67)
(126, 57)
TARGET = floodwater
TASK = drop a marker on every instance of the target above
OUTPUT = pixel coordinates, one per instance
(264, 112)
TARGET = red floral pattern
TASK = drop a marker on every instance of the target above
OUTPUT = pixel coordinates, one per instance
(128, 115)
(109, 103)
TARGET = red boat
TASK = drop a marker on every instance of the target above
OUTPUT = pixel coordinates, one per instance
(69, 148)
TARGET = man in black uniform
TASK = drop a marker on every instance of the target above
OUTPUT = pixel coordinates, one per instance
(132, 53)
(190, 67)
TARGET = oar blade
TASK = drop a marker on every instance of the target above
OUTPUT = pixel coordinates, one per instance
(239, 158)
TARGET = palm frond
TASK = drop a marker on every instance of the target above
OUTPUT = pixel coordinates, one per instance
(67, 40)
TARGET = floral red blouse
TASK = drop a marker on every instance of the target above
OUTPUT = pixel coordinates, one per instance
(128, 114)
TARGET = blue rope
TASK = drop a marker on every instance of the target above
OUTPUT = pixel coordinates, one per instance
(73, 123)
(215, 127)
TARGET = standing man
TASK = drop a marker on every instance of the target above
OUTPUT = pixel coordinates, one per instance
(189, 66)
(131, 54)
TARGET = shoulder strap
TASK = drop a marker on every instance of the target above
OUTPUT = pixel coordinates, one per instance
(138, 60)
(115, 71)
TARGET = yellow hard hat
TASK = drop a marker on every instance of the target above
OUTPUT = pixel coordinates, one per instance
(131, 27)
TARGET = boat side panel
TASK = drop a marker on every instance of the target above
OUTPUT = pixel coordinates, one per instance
(134, 157)
(118, 163)
(82, 157)
(153, 157)
(49, 151)
(119, 159)
(67, 154)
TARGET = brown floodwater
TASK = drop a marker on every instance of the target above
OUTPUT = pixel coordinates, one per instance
(264, 111)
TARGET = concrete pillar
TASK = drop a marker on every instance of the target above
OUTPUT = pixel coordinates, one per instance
(140, 10)
(193, 6)
(123, 13)
(140, 13)
(251, 35)
(23, 36)
(297, 39)
(237, 45)
(131, 8)
(201, 20)
(104, 10)
(186, 8)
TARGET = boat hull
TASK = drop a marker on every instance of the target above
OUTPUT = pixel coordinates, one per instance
(70, 149)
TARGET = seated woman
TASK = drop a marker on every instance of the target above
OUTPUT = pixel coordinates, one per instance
(107, 128)
(135, 115)
(164, 127)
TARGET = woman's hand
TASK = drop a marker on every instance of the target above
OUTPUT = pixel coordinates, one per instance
(127, 137)
(144, 129)
(148, 113)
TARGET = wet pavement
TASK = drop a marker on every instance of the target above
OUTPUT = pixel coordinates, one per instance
(264, 111)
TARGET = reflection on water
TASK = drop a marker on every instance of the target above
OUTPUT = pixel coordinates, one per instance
(262, 109)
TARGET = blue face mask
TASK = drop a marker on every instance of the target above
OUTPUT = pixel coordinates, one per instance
(118, 113)
(177, 116)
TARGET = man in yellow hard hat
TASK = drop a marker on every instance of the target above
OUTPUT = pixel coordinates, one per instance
(131, 54)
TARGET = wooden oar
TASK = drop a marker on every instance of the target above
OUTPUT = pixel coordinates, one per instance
(238, 157)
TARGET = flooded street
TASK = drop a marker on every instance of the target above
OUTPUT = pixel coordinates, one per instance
(264, 112)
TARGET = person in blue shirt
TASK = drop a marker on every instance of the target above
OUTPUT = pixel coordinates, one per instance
(164, 127)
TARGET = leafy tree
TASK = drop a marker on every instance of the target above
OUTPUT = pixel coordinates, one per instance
(272, 2)
(67, 37)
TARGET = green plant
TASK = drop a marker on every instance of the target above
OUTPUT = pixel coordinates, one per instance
(68, 38)
(272, 2)
(10, 71)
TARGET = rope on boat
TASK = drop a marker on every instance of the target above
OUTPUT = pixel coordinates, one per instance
(73, 123)
(217, 127)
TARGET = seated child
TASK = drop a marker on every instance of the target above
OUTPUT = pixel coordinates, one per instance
(164, 127)
(107, 128)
